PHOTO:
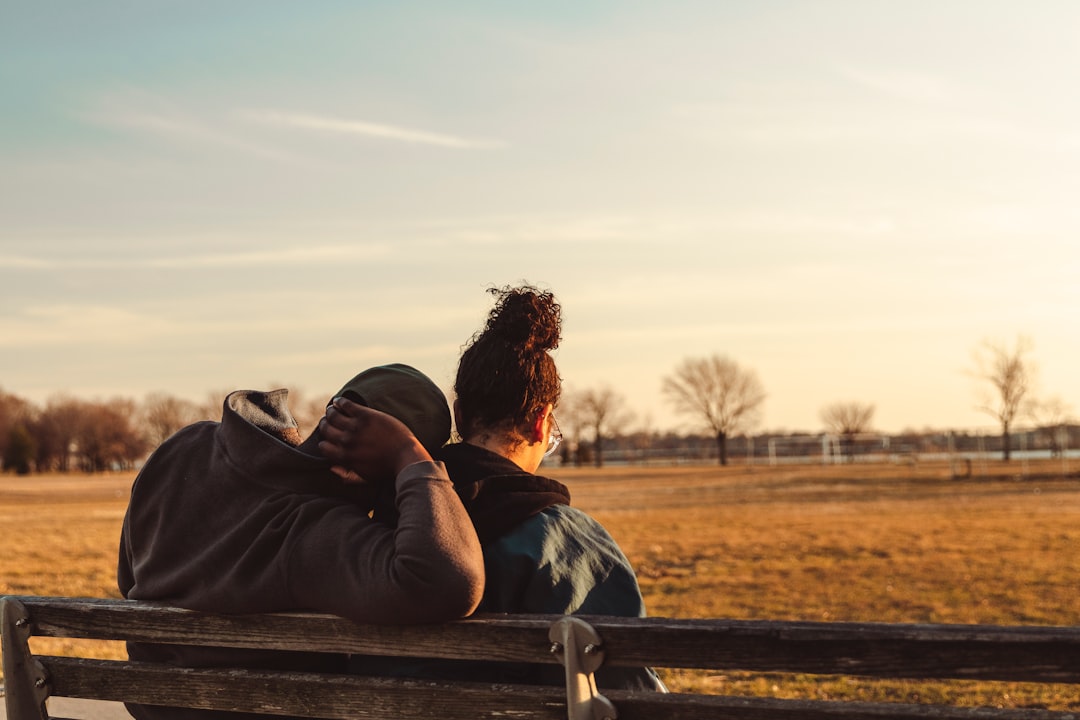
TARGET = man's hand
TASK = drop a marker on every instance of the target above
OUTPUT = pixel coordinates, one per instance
(365, 444)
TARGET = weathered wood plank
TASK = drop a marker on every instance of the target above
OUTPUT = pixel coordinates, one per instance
(1018, 653)
(337, 696)
(519, 640)
(974, 652)
(301, 694)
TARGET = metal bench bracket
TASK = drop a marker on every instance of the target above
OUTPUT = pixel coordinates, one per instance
(26, 683)
(581, 651)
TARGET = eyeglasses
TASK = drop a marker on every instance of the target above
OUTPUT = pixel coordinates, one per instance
(554, 438)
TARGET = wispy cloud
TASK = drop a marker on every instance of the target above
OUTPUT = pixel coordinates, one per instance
(317, 123)
(153, 115)
(279, 257)
(305, 255)
(70, 324)
(192, 130)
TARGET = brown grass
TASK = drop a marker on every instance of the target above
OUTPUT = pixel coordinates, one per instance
(850, 543)
(836, 543)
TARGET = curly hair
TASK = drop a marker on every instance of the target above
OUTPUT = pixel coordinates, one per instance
(506, 374)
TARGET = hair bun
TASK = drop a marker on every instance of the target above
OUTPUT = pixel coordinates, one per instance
(525, 317)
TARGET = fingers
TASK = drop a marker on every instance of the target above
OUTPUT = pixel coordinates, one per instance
(335, 426)
(332, 441)
(332, 451)
(343, 413)
(335, 438)
(341, 423)
(346, 406)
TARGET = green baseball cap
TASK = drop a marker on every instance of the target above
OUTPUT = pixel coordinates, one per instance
(408, 395)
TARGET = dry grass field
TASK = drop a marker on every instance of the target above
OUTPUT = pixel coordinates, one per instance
(896, 543)
(851, 543)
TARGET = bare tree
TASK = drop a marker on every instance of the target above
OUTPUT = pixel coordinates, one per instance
(1052, 416)
(847, 419)
(212, 408)
(602, 410)
(107, 436)
(1010, 374)
(20, 450)
(715, 390)
(56, 430)
(571, 421)
(15, 413)
(164, 414)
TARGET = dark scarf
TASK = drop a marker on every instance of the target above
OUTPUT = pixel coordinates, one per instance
(497, 494)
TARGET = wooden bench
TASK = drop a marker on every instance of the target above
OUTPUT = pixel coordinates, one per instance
(973, 652)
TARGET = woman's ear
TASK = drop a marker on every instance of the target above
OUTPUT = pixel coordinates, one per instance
(539, 428)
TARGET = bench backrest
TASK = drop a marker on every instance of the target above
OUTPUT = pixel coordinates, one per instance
(973, 652)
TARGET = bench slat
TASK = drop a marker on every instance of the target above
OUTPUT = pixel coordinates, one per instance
(972, 652)
(966, 652)
(300, 694)
(337, 696)
(520, 640)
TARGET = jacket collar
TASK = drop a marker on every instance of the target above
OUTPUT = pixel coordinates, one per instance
(253, 427)
(496, 492)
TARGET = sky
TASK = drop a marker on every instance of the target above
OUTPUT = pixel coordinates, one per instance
(847, 197)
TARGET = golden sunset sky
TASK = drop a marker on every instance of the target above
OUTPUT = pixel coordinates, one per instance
(847, 197)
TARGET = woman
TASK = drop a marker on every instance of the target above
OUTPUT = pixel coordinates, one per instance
(540, 554)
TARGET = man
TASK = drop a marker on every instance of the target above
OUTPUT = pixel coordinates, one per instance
(241, 517)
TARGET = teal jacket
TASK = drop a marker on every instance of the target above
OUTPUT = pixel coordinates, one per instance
(563, 561)
(559, 561)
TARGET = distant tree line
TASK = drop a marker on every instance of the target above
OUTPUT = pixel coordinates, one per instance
(88, 435)
(722, 398)
(725, 399)
(71, 434)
